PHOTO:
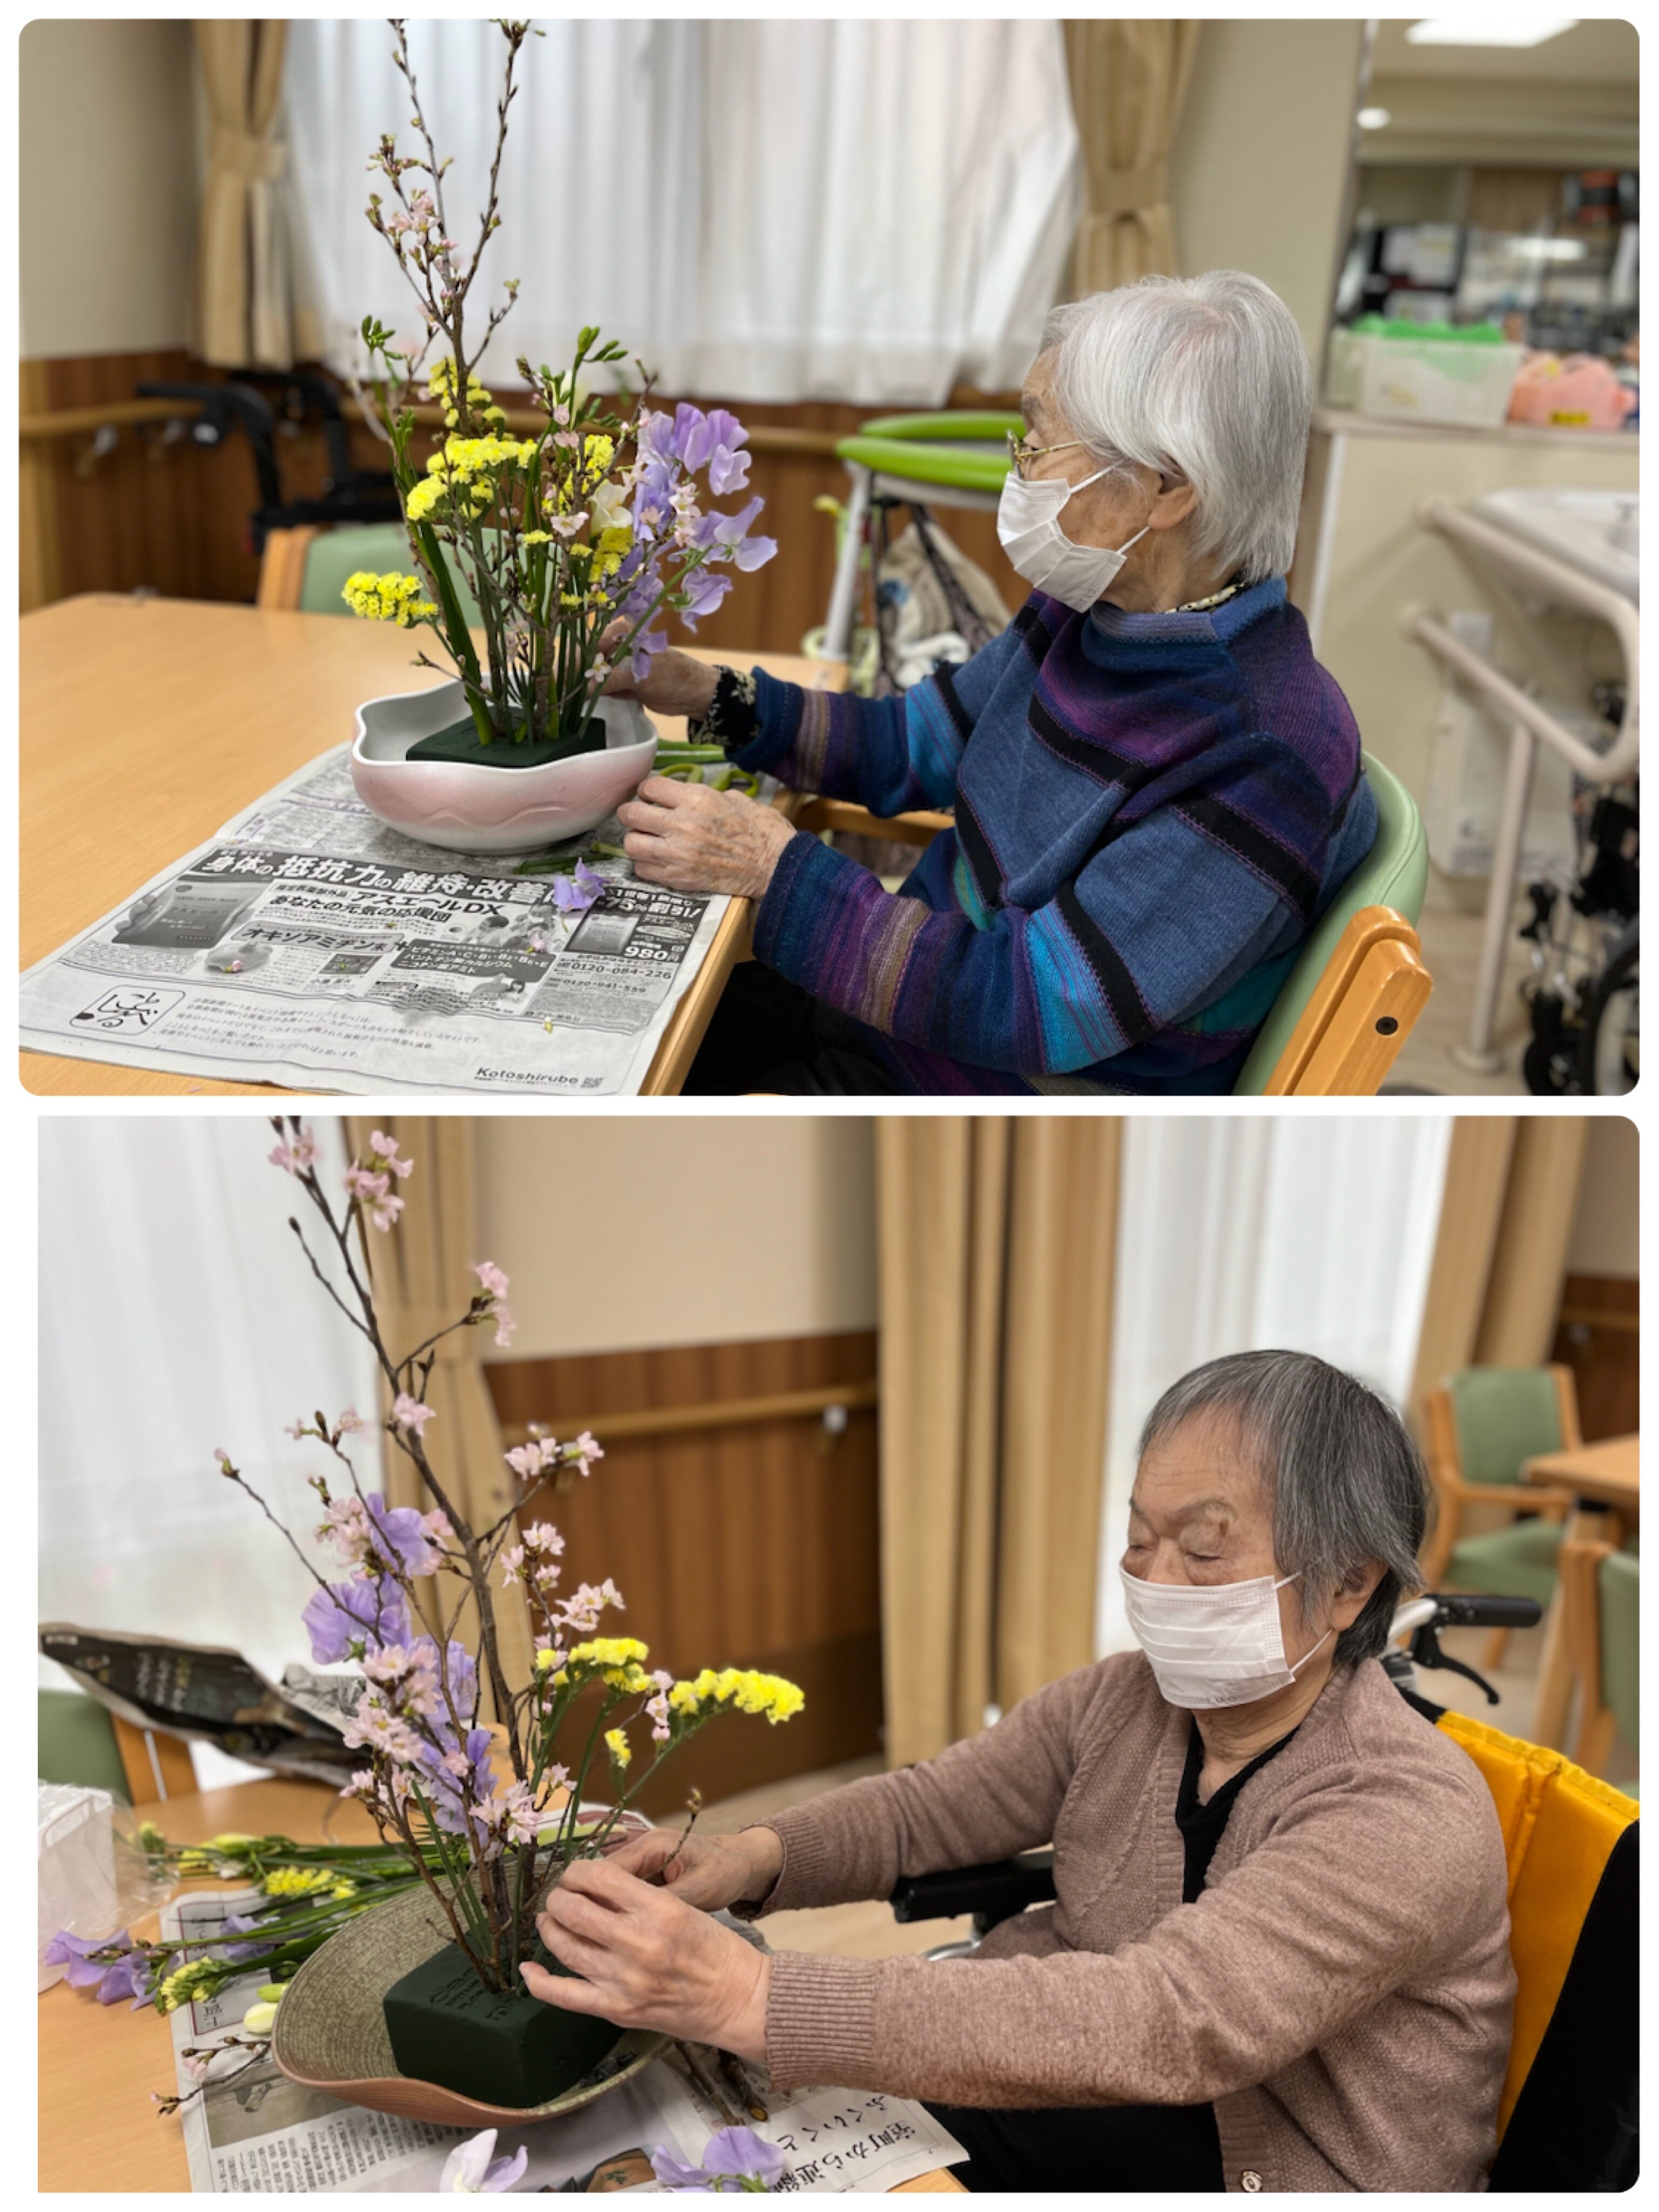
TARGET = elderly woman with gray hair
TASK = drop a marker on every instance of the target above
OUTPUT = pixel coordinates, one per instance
(1157, 789)
(1279, 1954)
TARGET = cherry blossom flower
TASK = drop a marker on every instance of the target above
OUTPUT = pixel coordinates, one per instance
(296, 1155)
(411, 1415)
(492, 1278)
(385, 1150)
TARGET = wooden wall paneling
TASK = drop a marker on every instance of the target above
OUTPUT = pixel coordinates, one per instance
(174, 519)
(1599, 1337)
(751, 1546)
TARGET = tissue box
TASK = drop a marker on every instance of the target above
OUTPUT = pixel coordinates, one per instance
(77, 1886)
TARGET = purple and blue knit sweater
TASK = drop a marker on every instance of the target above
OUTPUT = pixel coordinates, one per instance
(1151, 811)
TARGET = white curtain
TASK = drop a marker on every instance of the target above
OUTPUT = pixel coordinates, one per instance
(1236, 1235)
(766, 210)
(177, 1315)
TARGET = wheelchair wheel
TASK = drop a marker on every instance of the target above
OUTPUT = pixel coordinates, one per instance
(1609, 1052)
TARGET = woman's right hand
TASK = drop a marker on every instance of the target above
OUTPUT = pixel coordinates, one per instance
(707, 1871)
(674, 684)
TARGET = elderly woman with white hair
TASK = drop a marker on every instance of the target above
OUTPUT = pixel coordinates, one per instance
(1157, 789)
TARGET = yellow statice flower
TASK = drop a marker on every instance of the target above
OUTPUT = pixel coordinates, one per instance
(536, 538)
(441, 383)
(468, 457)
(610, 1652)
(343, 1889)
(390, 598)
(598, 453)
(617, 1744)
(297, 1882)
(743, 1688)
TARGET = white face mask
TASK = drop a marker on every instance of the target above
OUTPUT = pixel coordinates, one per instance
(1028, 522)
(1214, 1644)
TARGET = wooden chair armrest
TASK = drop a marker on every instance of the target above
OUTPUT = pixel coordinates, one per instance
(918, 829)
(1532, 1498)
(1361, 1011)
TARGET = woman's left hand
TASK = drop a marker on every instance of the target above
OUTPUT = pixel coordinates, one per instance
(649, 1961)
(693, 838)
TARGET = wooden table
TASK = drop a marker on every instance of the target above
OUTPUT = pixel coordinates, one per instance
(99, 2063)
(147, 723)
(1605, 1478)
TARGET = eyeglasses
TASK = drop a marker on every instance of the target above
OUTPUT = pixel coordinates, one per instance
(1019, 452)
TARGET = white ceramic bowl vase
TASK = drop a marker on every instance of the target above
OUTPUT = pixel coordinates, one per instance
(467, 807)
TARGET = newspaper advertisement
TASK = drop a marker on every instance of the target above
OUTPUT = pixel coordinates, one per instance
(248, 2128)
(309, 945)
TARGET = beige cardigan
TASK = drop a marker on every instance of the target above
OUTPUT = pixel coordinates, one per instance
(1341, 1991)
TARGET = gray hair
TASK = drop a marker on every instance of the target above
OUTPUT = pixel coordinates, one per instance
(1200, 377)
(1344, 1480)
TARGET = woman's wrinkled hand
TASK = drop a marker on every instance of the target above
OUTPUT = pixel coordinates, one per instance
(692, 838)
(707, 1871)
(647, 1960)
(674, 684)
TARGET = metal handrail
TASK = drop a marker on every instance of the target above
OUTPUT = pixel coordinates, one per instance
(712, 1413)
(1530, 724)
(1572, 587)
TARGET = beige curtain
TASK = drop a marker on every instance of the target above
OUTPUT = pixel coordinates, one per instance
(1501, 1251)
(1128, 85)
(242, 268)
(422, 1278)
(997, 1242)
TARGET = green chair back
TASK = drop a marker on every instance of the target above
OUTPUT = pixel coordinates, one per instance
(334, 554)
(1502, 1415)
(956, 446)
(1395, 873)
(77, 1744)
(1619, 1580)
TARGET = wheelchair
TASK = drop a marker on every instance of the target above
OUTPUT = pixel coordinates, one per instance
(1567, 2119)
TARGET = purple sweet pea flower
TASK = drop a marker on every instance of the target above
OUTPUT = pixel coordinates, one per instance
(646, 645)
(735, 2158)
(728, 470)
(77, 1956)
(339, 1614)
(130, 1976)
(705, 591)
(470, 2171)
(444, 1787)
(241, 1923)
(691, 440)
(402, 1534)
(575, 893)
(113, 1965)
(754, 552)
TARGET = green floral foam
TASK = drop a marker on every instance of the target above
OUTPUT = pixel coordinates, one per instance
(460, 742)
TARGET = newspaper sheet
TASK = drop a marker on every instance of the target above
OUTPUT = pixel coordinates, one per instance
(308, 944)
(209, 1693)
(257, 2131)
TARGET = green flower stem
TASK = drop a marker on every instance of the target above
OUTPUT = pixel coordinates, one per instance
(579, 1788)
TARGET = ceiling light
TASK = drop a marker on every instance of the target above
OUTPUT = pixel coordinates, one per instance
(1548, 249)
(1373, 118)
(1486, 31)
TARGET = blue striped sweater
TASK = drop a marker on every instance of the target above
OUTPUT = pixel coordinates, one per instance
(1152, 810)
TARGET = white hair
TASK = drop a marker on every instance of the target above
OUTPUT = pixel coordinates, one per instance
(1200, 377)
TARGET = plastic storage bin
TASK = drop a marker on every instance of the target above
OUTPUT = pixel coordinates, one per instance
(1423, 372)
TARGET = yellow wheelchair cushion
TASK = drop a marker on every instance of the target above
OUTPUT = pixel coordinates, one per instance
(1560, 1825)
